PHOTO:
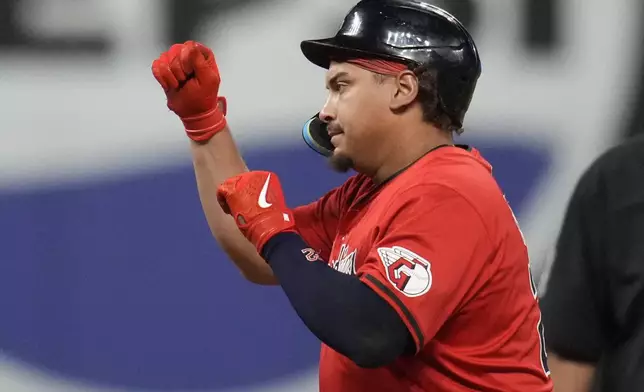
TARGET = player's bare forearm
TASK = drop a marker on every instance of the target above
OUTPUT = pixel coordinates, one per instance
(214, 162)
(570, 376)
(190, 79)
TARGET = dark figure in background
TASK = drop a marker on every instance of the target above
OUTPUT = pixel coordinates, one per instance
(593, 307)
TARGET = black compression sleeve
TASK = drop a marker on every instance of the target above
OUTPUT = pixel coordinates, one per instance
(339, 309)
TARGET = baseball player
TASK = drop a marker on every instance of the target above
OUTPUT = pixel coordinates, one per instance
(413, 273)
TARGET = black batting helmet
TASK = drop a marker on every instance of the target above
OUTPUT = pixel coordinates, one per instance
(411, 32)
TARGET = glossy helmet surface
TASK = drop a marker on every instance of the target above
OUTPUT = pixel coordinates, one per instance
(408, 31)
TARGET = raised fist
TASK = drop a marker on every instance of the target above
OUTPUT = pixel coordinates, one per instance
(190, 78)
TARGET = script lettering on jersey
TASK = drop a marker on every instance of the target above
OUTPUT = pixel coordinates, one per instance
(345, 262)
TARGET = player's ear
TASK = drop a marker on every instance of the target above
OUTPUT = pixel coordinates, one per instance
(406, 90)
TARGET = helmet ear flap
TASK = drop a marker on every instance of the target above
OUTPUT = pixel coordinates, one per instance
(455, 93)
(316, 136)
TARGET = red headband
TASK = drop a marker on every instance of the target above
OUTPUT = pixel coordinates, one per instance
(384, 67)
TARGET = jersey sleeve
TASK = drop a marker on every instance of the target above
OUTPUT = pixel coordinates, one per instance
(574, 295)
(317, 222)
(428, 255)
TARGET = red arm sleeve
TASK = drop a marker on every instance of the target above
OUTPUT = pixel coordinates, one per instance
(428, 255)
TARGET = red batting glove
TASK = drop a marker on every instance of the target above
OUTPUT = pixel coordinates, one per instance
(256, 201)
(190, 78)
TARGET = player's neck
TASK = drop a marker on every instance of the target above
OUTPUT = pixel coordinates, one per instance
(409, 147)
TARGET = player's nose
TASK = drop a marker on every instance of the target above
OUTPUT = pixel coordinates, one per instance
(325, 117)
(327, 114)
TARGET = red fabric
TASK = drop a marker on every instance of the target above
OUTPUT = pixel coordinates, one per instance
(317, 222)
(440, 244)
(383, 67)
(203, 127)
(256, 201)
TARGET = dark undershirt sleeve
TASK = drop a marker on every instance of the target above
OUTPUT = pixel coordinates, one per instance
(339, 309)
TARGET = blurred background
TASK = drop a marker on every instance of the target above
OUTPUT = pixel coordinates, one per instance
(109, 278)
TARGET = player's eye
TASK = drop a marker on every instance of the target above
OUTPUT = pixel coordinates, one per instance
(341, 86)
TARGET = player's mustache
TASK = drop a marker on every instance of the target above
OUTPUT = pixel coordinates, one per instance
(334, 129)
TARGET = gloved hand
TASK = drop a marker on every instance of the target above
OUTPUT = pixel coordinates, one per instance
(256, 201)
(190, 78)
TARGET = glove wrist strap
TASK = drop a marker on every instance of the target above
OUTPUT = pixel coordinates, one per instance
(260, 230)
(203, 127)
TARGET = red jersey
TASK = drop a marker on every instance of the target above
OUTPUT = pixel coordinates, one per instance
(441, 245)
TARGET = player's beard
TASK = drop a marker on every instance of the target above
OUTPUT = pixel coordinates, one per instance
(340, 162)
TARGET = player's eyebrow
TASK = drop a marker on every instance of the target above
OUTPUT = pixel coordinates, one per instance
(334, 79)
